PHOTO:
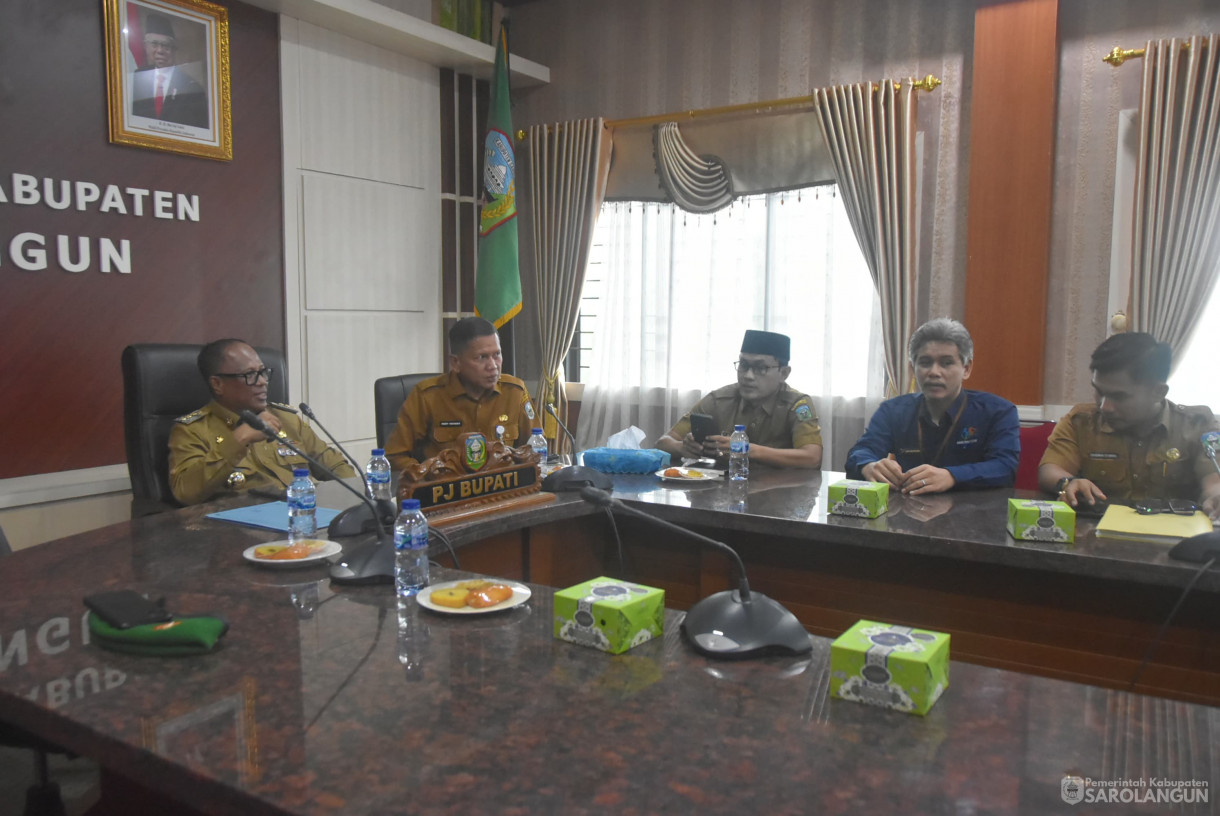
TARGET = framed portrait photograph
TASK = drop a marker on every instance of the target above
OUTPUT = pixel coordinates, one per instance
(167, 76)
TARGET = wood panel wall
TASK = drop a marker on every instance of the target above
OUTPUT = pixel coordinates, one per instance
(1012, 141)
(63, 332)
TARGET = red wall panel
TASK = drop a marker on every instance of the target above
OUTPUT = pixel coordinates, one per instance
(61, 333)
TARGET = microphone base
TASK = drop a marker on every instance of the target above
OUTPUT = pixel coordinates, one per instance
(371, 563)
(573, 478)
(723, 627)
(1197, 549)
(358, 519)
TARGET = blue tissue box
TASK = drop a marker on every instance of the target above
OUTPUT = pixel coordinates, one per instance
(613, 460)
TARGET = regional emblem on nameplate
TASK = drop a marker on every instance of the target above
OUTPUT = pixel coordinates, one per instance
(476, 451)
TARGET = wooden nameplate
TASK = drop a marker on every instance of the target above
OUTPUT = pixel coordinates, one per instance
(445, 516)
(479, 475)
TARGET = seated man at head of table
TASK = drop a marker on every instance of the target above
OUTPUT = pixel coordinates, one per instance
(212, 452)
(943, 437)
(780, 421)
(473, 396)
(1132, 443)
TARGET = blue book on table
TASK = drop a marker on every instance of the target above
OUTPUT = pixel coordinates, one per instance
(269, 516)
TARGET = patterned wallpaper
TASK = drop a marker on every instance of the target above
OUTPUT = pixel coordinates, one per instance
(639, 57)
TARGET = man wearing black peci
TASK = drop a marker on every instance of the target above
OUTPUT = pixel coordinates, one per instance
(780, 421)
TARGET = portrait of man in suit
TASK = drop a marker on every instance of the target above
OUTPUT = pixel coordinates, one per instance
(163, 89)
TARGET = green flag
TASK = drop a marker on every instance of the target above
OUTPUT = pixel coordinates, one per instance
(497, 287)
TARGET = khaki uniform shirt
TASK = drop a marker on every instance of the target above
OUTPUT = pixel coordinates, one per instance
(439, 410)
(787, 420)
(205, 460)
(1168, 463)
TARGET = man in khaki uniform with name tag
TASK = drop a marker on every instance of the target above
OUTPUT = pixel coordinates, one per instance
(213, 453)
(473, 396)
(1131, 443)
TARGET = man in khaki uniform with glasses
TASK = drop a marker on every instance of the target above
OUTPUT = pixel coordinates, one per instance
(212, 452)
(781, 422)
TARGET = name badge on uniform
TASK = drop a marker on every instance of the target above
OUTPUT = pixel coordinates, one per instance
(284, 450)
(451, 423)
(1102, 455)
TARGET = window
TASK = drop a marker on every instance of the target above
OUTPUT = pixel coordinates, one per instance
(669, 294)
(1193, 382)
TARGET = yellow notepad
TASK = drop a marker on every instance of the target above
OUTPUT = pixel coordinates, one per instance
(1124, 522)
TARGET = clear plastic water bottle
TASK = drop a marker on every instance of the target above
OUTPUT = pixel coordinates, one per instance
(377, 476)
(410, 549)
(537, 444)
(302, 507)
(739, 454)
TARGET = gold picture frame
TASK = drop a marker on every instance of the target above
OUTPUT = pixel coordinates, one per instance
(167, 76)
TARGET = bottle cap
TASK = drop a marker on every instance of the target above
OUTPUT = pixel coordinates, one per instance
(379, 451)
(300, 473)
(410, 504)
(739, 427)
(538, 430)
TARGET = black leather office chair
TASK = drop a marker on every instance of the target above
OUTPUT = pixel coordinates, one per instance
(160, 383)
(389, 393)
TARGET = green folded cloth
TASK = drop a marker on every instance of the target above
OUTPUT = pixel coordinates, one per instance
(181, 636)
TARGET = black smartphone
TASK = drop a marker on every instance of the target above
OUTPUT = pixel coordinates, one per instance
(1149, 507)
(1182, 507)
(126, 608)
(703, 426)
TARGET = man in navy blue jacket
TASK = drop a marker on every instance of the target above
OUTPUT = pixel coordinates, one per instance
(944, 437)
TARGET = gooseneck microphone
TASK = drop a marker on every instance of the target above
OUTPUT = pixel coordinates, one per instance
(550, 409)
(307, 411)
(357, 518)
(369, 564)
(574, 476)
(729, 624)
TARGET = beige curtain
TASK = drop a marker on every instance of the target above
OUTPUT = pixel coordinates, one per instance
(698, 184)
(568, 165)
(1176, 230)
(870, 133)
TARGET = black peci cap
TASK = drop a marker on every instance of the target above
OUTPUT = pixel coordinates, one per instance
(764, 342)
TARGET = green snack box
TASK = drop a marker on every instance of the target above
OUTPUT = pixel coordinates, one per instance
(609, 614)
(1037, 520)
(890, 666)
(849, 497)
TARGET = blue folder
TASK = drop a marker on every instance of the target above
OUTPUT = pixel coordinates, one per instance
(269, 516)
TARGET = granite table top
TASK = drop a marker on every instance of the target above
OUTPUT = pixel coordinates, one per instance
(329, 700)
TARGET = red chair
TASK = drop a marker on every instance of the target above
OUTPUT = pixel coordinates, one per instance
(1034, 436)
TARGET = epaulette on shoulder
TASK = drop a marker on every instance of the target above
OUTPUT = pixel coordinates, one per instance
(509, 379)
(282, 407)
(193, 416)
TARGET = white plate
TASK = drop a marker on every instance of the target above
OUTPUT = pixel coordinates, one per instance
(708, 474)
(521, 594)
(331, 549)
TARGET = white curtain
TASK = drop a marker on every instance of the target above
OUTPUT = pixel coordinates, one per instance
(670, 294)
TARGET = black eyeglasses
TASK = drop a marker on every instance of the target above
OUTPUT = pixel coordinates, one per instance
(760, 369)
(250, 377)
